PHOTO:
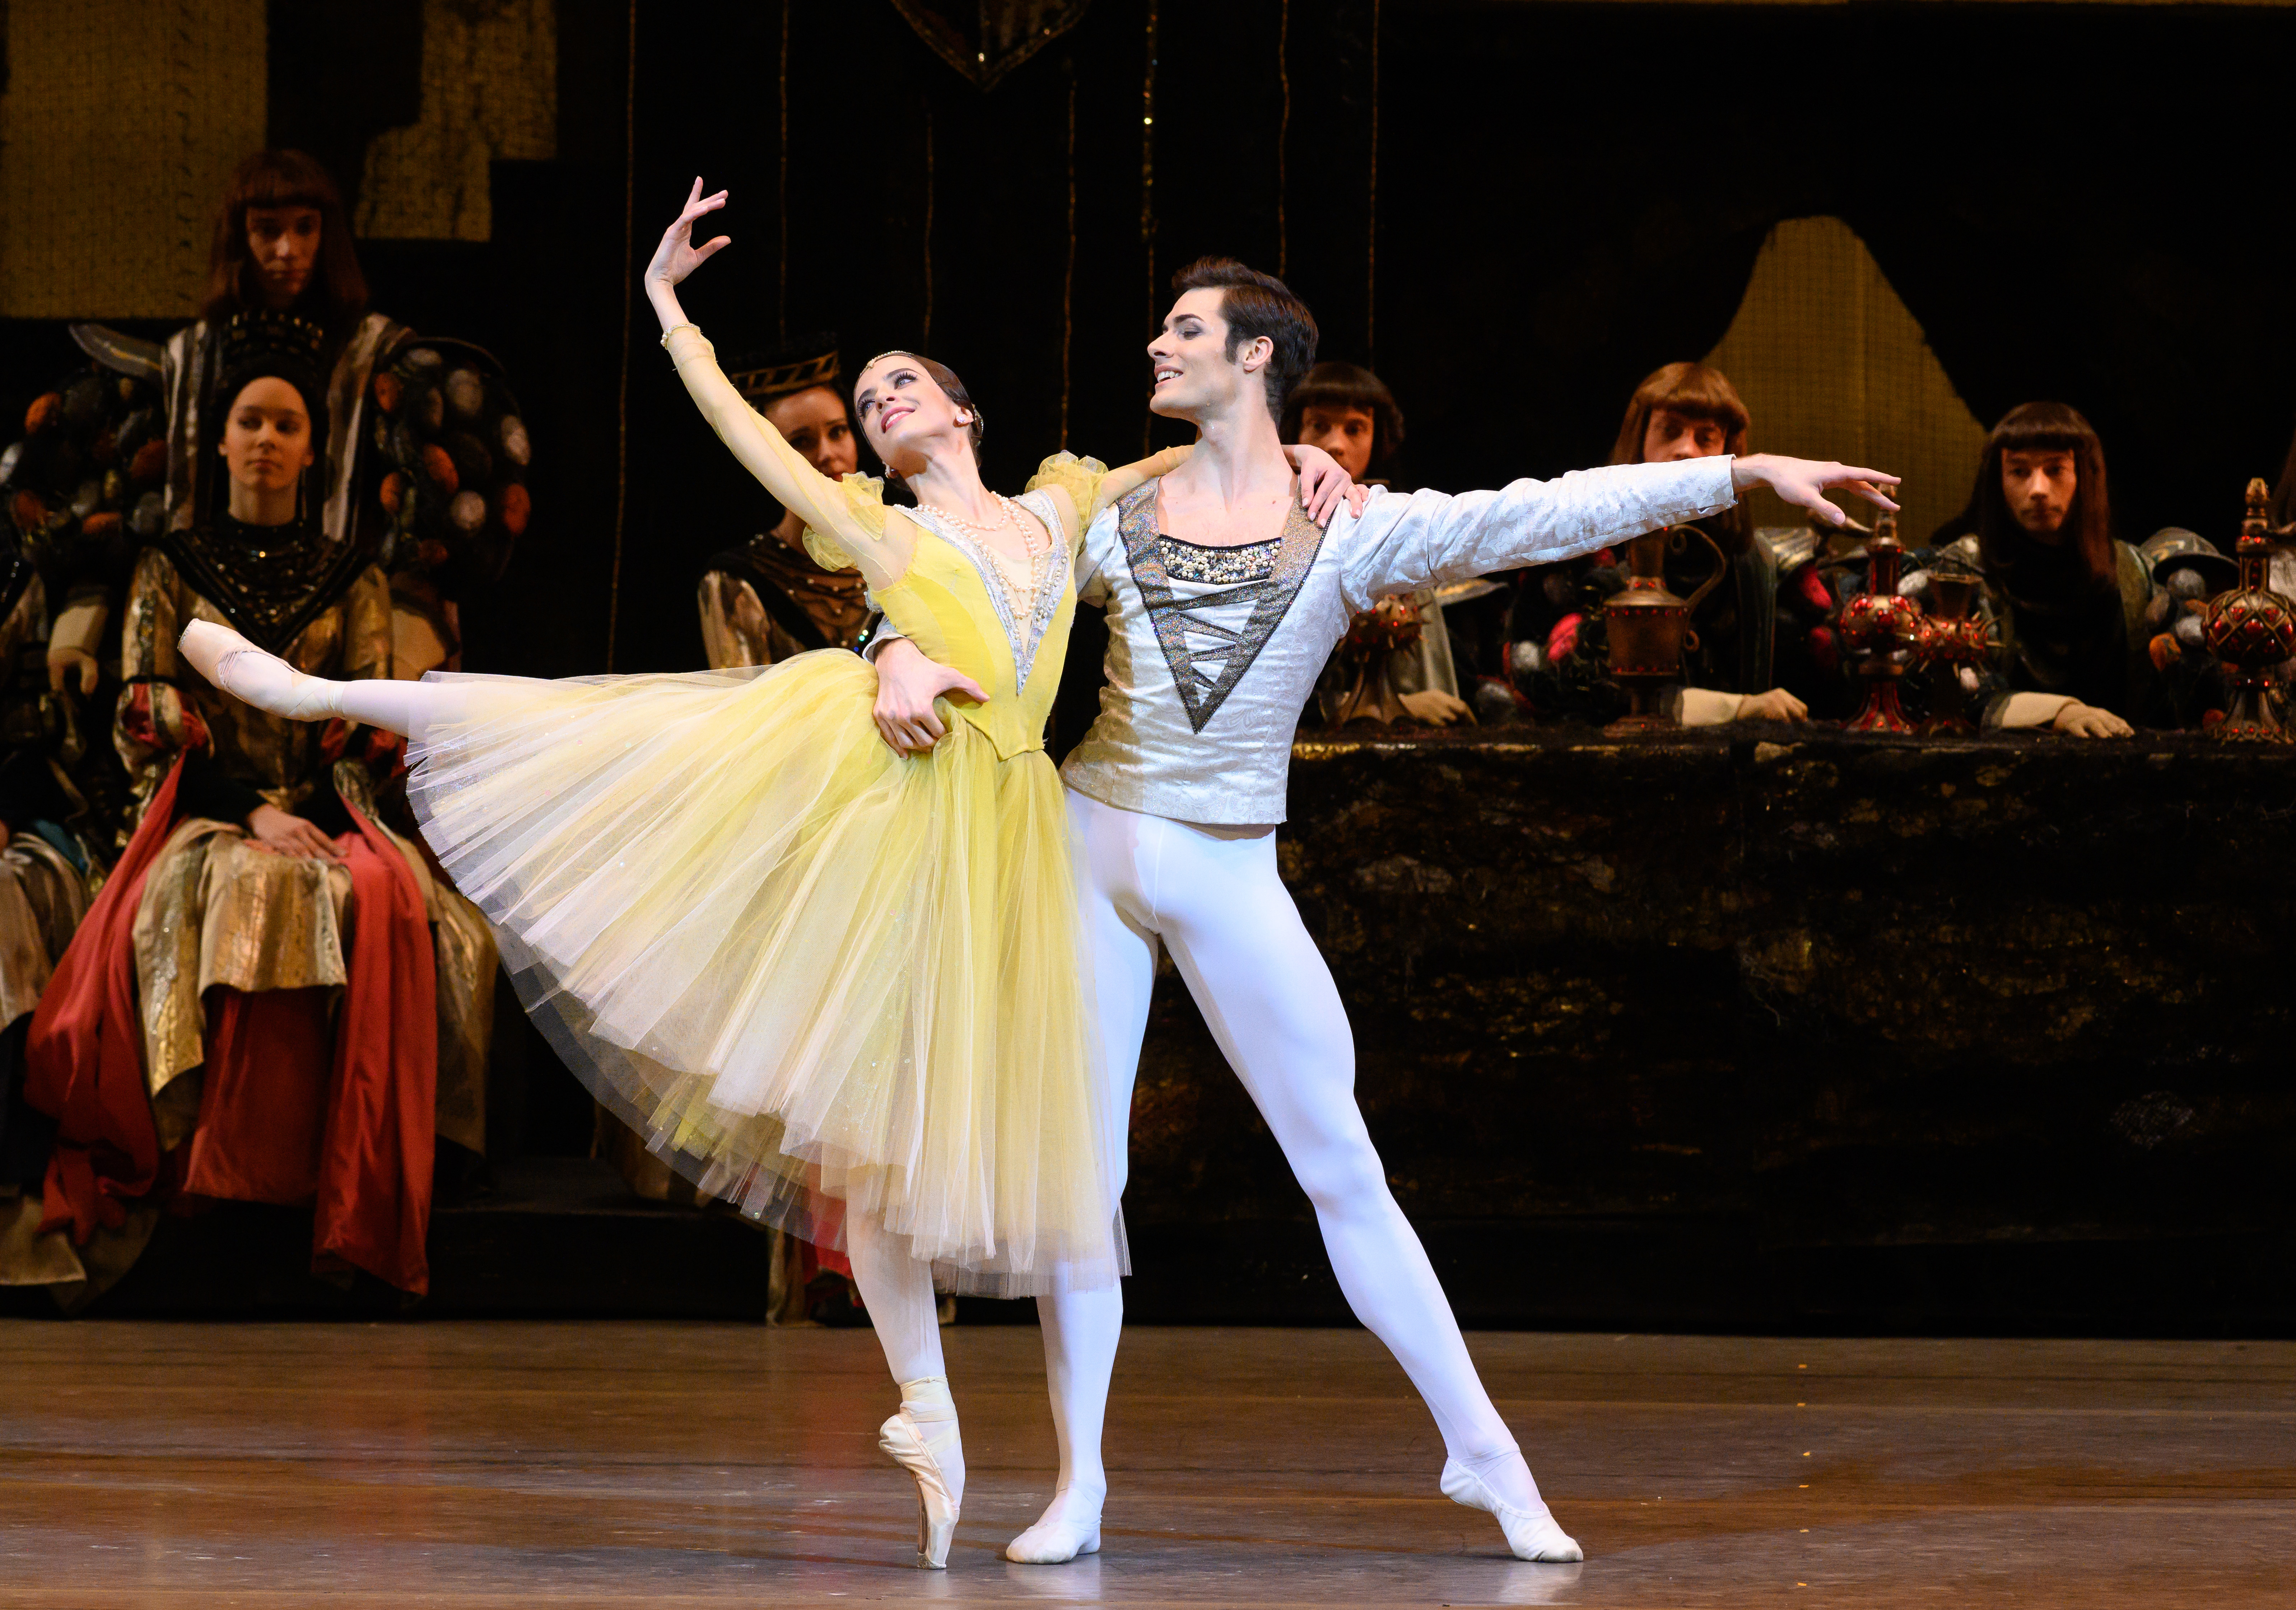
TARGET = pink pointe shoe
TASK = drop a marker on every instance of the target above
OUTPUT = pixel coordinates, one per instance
(253, 676)
(930, 1450)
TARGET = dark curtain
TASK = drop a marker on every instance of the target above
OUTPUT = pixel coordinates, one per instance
(1568, 196)
(2076, 201)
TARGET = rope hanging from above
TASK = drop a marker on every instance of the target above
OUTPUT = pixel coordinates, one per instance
(986, 39)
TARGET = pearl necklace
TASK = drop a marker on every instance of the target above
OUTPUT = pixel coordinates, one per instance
(980, 533)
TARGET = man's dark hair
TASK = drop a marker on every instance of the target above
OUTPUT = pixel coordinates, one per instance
(1255, 305)
(1348, 386)
(2044, 427)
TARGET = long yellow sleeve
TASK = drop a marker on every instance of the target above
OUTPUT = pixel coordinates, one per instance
(1124, 477)
(855, 524)
(1090, 485)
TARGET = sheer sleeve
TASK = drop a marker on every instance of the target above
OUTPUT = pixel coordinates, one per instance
(845, 521)
(1092, 485)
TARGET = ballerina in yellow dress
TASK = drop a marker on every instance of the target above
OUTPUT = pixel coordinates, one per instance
(804, 965)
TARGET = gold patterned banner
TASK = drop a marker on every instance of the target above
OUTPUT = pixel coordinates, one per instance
(489, 94)
(1831, 363)
(122, 122)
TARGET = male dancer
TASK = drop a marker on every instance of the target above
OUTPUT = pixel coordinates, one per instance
(1224, 600)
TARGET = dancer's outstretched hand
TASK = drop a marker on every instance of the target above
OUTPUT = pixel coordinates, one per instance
(1323, 483)
(907, 683)
(1805, 482)
(678, 256)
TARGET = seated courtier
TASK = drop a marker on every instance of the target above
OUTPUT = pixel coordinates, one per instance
(1350, 413)
(49, 870)
(2070, 601)
(263, 961)
(766, 600)
(1682, 412)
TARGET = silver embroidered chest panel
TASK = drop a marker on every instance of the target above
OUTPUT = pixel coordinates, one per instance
(1213, 652)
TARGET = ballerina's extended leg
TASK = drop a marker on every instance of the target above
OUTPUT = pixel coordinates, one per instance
(267, 682)
(922, 1438)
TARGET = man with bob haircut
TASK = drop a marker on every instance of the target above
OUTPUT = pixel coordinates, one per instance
(1224, 600)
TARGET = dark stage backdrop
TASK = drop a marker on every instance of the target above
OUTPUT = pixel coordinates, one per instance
(1558, 199)
(1565, 197)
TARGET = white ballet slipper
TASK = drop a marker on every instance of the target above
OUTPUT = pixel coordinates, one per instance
(1069, 1527)
(918, 1447)
(253, 676)
(1531, 1533)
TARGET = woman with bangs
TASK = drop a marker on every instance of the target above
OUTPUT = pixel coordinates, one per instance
(283, 247)
(1683, 410)
(833, 962)
(2070, 598)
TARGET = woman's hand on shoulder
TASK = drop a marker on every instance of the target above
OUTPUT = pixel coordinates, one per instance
(1323, 483)
(907, 683)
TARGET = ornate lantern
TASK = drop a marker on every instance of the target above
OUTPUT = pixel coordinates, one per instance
(1884, 630)
(2253, 629)
(1953, 638)
(1646, 627)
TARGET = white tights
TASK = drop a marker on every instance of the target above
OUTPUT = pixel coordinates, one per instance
(1213, 895)
(897, 1291)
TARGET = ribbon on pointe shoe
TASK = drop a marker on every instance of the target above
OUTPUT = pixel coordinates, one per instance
(924, 1441)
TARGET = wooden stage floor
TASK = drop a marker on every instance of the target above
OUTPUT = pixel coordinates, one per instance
(500, 1464)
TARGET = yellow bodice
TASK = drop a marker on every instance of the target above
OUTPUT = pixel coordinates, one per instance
(942, 604)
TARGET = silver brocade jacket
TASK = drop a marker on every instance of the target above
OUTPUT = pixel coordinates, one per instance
(1212, 653)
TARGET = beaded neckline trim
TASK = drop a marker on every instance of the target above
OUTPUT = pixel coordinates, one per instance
(1186, 561)
(1024, 621)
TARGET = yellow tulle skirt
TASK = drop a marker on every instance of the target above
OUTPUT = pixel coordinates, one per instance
(804, 966)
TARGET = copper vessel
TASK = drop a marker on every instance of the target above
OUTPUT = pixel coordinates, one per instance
(1954, 636)
(1884, 630)
(1646, 627)
(2253, 629)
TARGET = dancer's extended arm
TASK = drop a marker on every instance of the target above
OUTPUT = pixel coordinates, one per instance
(1400, 544)
(854, 522)
(847, 513)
